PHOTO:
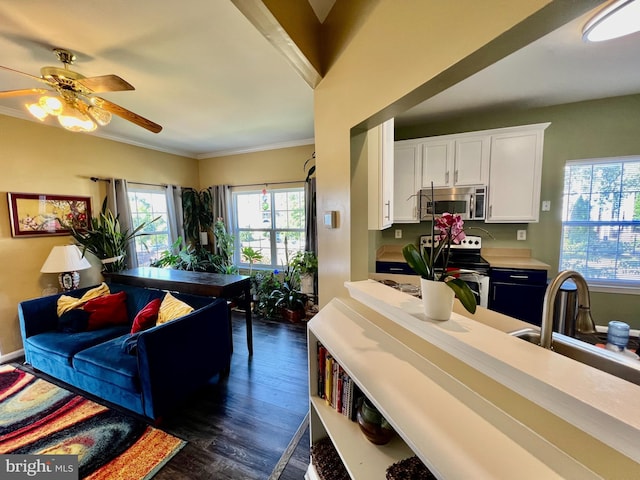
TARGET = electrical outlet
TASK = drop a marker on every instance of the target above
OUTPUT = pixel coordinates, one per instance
(546, 205)
(398, 233)
(521, 235)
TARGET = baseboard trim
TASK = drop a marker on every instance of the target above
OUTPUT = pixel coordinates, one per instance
(10, 357)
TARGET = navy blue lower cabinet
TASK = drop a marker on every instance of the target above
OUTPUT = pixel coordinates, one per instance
(518, 293)
(394, 267)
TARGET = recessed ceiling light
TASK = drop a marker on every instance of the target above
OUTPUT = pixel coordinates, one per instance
(619, 18)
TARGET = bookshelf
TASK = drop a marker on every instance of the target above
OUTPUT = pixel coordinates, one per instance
(437, 417)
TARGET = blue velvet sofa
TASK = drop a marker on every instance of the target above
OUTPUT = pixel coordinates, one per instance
(170, 362)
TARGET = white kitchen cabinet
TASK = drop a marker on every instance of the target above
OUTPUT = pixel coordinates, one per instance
(437, 163)
(455, 160)
(515, 174)
(380, 163)
(407, 160)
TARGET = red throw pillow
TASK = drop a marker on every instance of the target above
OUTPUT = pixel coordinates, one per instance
(107, 311)
(147, 317)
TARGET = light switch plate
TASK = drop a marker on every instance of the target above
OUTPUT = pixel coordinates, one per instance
(546, 205)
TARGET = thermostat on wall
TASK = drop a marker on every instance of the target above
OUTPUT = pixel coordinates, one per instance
(330, 219)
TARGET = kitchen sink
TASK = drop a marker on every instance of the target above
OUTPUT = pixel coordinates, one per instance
(616, 364)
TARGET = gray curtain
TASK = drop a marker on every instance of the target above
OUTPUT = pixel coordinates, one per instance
(221, 196)
(118, 203)
(174, 212)
(311, 234)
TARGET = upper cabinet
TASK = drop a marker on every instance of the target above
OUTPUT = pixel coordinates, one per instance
(515, 174)
(507, 160)
(407, 170)
(380, 163)
(455, 160)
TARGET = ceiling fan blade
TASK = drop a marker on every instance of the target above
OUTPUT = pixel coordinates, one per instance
(105, 83)
(126, 114)
(39, 79)
(20, 93)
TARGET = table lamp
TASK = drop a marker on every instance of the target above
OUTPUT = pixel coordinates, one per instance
(66, 260)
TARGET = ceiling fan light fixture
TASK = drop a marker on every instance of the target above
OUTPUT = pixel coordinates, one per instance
(100, 116)
(37, 111)
(76, 121)
(51, 105)
(619, 18)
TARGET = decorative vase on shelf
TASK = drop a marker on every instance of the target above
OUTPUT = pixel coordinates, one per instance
(437, 299)
(372, 424)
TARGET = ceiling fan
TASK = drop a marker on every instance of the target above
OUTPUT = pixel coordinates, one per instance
(71, 97)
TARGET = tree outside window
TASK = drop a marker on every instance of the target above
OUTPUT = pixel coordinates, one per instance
(262, 221)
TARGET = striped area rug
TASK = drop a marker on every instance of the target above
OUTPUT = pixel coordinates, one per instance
(38, 417)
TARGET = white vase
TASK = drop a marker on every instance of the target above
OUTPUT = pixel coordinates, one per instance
(437, 299)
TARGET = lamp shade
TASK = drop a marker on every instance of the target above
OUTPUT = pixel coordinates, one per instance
(65, 258)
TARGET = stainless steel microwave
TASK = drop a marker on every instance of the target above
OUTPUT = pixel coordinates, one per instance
(469, 202)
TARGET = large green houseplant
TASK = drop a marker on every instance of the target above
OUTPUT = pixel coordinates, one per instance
(106, 239)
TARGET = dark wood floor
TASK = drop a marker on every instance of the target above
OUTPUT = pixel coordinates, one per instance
(238, 427)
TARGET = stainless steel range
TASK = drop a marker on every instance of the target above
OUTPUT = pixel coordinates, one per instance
(474, 269)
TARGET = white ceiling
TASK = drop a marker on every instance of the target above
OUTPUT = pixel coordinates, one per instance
(558, 68)
(200, 69)
(217, 86)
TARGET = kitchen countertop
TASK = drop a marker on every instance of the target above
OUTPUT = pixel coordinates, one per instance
(512, 258)
(574, 401)
(497, 257)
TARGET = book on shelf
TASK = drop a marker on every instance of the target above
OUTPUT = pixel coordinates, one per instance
(335, 385)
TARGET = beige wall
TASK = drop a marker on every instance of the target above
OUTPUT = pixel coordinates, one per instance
(394, 49)
(280, 165)
(41, 159)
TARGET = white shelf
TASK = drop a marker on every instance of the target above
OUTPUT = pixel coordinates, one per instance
(362, 458)
(452, 429)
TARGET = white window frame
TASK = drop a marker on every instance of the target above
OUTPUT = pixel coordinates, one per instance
(274, 265)
(155, 190)
(598, 284)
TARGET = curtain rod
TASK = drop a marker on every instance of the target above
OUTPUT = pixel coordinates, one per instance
(108, 180)
(266, 184)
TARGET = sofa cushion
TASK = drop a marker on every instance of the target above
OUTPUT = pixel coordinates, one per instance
(107, 362)
(68, 302)
(107, 310)
(147, 317)
(59, 348)
(172, 308)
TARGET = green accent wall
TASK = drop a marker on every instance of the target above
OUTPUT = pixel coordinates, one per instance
(593, 129)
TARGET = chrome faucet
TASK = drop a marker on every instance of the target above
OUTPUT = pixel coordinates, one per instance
(583, 321)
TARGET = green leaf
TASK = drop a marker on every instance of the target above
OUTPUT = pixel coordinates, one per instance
(416, 261)
(463, 293)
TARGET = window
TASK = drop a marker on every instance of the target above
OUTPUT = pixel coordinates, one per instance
(263, 219)
(601, 221)
(147, 204)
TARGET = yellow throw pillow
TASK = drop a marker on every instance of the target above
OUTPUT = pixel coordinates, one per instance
(66, 303)
(172, 308)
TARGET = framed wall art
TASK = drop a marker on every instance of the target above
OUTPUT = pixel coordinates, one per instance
(37, 214)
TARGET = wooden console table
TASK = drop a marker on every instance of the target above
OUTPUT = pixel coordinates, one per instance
(196, 283)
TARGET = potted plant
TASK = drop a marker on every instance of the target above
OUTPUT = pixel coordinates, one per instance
(306, 264)
(439, 283)
(290, 301)
(251, 256)
(106, 240)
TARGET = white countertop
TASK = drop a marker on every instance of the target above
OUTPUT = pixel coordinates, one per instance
(601, 405)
